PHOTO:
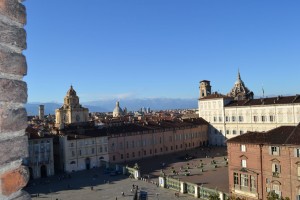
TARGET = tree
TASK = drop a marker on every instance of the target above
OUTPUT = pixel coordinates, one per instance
(214, 196)
(272, 196)
(235, 198)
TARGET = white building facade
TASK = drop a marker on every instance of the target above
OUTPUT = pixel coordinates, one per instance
(230, 116)
(83, 152)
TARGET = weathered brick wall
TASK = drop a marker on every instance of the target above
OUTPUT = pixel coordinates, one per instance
(13, 95)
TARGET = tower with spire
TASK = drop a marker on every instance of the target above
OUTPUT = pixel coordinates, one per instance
(239, 90)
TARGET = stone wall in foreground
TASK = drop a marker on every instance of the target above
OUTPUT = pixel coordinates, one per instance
(13, 96)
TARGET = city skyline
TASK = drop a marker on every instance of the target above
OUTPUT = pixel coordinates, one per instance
(155, 49)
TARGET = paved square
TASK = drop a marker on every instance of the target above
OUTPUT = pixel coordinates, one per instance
(78, 186)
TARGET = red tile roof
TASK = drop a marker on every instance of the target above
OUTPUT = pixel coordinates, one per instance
(131, 128)
(216, 96)
(266, 101)
(284, 135)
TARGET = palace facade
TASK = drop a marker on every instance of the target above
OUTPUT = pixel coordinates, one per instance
(238, 112)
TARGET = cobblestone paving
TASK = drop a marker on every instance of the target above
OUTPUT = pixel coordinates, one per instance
(80, 188)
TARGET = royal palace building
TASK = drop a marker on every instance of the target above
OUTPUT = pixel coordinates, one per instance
(238, 112)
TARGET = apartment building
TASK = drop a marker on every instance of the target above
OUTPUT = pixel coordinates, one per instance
(40, 159)
(260, 162)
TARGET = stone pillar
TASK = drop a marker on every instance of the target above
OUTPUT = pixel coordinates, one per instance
(182, 187)
(13, 96)
(162, 182)
(196, 191)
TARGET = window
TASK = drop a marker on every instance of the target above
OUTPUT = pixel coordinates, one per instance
(253, 183)
(255, 118)
(236, 178)
(133, 155)
(127, 155)
(227, 132)
(114, 158)
(215, 119)
(234, 132)
(241, 118)
(122, 157)
(93, 150)
(297, 153)
(244, 163)
(220, 119)
(113, 146)
(244, 180)
(298, 171)
(216, 131)
(233, 118)
(274, 150)
(276, 189)
(275, 169)
(272, 118)
(263, 118)
(241, 132)
(227, 119)
(243, 148)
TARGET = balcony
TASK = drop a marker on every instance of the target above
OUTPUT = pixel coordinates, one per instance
(275, 174)
(245, 191)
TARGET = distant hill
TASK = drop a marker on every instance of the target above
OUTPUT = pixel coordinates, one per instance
(130, 104)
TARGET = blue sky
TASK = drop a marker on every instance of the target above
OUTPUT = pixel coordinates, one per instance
(160, 48)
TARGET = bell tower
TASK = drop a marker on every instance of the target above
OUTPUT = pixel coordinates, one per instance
(205, 88)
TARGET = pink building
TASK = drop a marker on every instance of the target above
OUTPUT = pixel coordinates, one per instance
(260, 162)
(134, 141)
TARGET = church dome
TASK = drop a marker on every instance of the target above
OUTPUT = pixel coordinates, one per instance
(71, 91)
(117, 111)
(239, 90)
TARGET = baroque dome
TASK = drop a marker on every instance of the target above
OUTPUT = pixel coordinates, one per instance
(117, 111)
(71, 91)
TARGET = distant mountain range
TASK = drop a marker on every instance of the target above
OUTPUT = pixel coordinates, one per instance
(130, 104)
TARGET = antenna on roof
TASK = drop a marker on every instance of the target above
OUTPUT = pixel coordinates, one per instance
(263, 91)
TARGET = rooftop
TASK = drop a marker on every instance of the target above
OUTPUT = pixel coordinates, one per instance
(129, 128)
(284, 135)
(266, 101)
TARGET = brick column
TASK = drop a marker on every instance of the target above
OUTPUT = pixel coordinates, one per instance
(13, 96)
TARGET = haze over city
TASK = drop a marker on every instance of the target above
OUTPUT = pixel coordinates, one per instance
(160, 49)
